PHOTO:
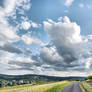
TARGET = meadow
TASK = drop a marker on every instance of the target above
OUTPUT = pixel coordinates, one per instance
(51, 87)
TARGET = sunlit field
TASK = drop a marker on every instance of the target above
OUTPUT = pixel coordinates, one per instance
(37, 88)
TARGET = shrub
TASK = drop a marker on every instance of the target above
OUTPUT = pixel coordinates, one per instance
(90, 77)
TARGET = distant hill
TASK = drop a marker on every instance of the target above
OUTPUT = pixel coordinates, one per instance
(37, 77)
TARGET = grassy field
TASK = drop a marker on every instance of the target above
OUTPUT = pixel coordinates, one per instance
(58, 87)
(52, 87)
(86, 86)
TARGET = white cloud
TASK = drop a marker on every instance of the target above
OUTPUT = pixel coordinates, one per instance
(88, 63)
(65, 36)
(10, 48)
(26, 25)
(11, 6)
(69, 2)
(66, 20)
(60, 19)
(89, 37)
(50, 55)
(8, 32)
(29, 40)
(70, 29)
(24, 63)
(35, 25)
(81, 5)
(24, 59)
(5, 57)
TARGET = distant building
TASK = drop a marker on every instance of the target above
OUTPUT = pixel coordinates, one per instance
(2, 84)
(20, 82)
(9, 84)
(33, 82)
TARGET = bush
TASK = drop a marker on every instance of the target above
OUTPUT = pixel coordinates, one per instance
(90, 77)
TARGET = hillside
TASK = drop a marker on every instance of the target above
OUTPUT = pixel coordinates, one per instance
(37, 77)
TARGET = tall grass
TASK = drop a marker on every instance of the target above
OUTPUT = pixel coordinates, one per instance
(86, 86)
(58, 87)
(35, 88)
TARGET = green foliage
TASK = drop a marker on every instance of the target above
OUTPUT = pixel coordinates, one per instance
(90, 77)
(57, 88)
(78, 80)
(86, 79)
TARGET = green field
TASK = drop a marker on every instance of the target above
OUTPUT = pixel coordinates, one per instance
(51, 87)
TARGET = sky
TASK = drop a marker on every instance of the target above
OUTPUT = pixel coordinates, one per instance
(46, 37)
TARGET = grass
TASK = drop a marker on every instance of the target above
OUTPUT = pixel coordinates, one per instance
(37, 88)
(58, 87)
(82, 87)
(86, 86)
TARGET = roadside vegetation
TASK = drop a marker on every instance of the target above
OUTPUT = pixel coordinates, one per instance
(58, 87)
(87, 84)
(51, 87)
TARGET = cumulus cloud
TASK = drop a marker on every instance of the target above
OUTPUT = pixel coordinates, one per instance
(26, 25)
(89, 37)
(9, 32)
(66, 37)
(89, 63)
(66, 51)
(29, 40)
(9, 36)
(35, 25)
(10, 48)
(69, 2)
(69, 45)
(4, 58)
(60, 19)
(50, 55)
(11, 6)
(23, 63)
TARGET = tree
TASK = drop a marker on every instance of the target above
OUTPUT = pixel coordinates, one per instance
(90, 77)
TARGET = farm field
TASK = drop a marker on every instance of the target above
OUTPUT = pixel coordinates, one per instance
(51, 87)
